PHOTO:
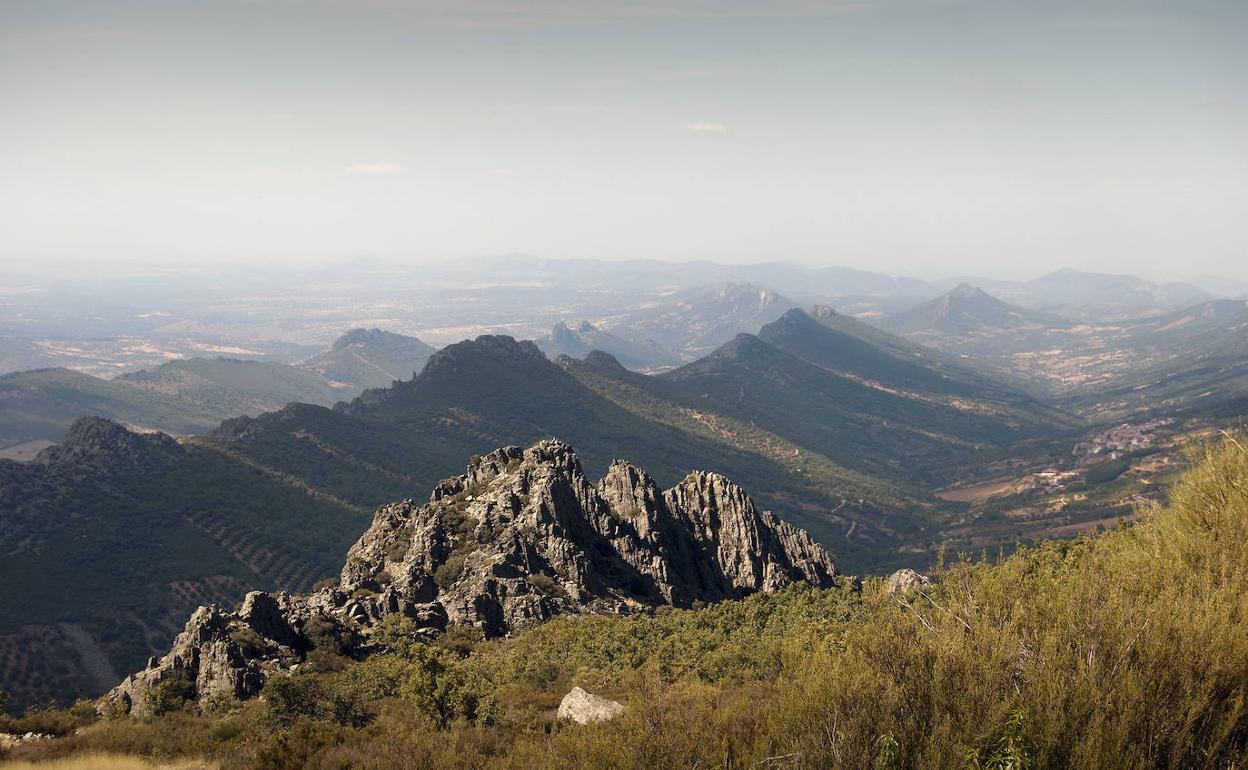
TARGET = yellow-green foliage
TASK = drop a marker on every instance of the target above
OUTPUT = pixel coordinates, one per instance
(105, 762)
(1124, 651)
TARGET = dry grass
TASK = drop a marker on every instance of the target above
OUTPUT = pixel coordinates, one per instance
(106, 762)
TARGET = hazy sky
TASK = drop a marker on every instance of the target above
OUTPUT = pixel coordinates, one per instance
(1003, 138)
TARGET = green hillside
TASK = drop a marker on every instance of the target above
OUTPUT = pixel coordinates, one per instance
(368, 358)
(181, 397)
(42, 403)
(120, 535)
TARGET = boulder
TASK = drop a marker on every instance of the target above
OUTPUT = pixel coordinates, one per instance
(583, 707)
(904, 580)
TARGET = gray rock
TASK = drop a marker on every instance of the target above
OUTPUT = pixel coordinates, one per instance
(583, 707)
(904, 580)
(520, 537)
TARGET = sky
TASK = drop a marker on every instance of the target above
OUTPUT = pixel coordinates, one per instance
(986, 137)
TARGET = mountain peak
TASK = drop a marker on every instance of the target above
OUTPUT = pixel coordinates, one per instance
(741, 346)
(966, 290)
(964, 309)
(96, 441)
(362, 337)
(500, 347)
(796, 320)
(603, 362)
(520, 537)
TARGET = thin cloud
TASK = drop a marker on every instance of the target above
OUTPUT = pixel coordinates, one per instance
(376, 168)
(706, 127)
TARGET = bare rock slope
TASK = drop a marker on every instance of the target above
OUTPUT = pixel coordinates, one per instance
(522, 536)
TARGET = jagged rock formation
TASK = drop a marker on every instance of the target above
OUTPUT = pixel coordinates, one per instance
(521, 537)
(584, 707)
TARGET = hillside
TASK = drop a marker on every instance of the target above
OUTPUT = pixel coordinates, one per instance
(866, 427)
(228, 387)
(1125, 650)
(42, 403)
(181, 397)
(111, 537)
(1191, 362)
(368, 358)
(849, 347)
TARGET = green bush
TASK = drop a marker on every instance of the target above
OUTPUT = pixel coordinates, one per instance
(251, 643)
(449, 571)
(170, 695)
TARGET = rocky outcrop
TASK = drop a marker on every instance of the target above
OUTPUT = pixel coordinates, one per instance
(523, 535)
(583, 707)
(905, 579)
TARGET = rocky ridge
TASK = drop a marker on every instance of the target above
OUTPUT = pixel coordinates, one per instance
(520, 537)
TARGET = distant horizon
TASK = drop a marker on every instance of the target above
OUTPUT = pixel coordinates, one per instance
(54, 268)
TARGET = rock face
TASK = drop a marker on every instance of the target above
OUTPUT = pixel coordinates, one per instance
(521, 537)
(904, 580)
(583, 707)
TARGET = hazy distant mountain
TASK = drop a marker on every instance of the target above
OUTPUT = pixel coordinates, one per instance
(656, 275)
(965, 310)
(180, 397)
(1076, 287)
(695, 321)
(369, 358)
(1221, 286)
(585, 337)
(1082, 294)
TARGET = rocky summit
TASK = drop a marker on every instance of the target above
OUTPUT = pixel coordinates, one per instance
(520, 537)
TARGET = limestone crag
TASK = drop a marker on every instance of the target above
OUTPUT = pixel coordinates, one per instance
(583, 707)
(521, 537)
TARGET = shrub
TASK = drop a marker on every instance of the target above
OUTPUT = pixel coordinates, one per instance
(170, 695)
(251, 643)
(545, 584)
(449, 571)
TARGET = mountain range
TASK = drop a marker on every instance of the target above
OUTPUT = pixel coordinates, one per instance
(117, 535)
(693, 322)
